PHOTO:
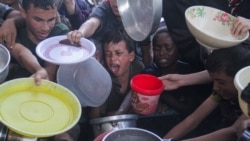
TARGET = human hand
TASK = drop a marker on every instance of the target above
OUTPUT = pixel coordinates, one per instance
(240, 26)
(39, 75)
(172, 81)
(242, 126)
(8, 33)
(74, 36)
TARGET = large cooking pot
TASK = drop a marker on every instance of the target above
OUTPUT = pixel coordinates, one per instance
(4, 62)
(140, 18)
(131, 134)
(101, 125)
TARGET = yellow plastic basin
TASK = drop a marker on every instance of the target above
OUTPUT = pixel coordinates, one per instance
(38, 111)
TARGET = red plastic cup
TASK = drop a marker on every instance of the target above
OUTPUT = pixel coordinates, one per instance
(146, 90)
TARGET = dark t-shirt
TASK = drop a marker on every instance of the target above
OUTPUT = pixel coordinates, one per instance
(116, 97)
(109, 21)
(16, 70)
(173, 13)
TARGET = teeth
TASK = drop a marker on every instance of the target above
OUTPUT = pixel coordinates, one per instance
(163, 60)
(115, 68)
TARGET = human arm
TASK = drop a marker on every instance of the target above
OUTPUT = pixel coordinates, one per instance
(240, 26)
(77, 11)
(51, 69)
(242, 126)
(86, 30)
(174, 81)
(193, 120)
(26, 59)
(225, 134)
(8, 28)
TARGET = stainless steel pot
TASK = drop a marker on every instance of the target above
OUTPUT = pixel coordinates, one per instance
(8, 135)
(131, 134)
(101, 125)
(4, 62)
(140, 18)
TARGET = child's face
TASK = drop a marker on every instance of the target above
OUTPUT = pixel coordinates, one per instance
(165, 51)
(224, 85)
(118, 58)
(40, 22)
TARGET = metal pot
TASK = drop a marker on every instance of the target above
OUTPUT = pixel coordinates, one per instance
(101, 125)
(4, 62)
(140, 18)
(8, 135)
(131, 134)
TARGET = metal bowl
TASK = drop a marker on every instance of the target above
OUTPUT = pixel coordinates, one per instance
(4, 62)
(101, 125)
(140, 18)
(131, 134)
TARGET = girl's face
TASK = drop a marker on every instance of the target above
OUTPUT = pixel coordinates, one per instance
(117, 58)
(165, 51)
(224, 85)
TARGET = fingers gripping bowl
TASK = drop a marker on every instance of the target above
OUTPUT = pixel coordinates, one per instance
(212, 27)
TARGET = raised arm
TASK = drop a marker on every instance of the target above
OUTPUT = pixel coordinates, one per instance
(86, 30)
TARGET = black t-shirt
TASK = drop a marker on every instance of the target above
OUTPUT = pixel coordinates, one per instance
(173, 14)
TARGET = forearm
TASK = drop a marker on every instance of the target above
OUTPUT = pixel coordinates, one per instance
(226, 134)
(16, 18)
(201, 77)
(89, 27)
(51, 69)
(70, 6)
(79, 17)
(181, 129)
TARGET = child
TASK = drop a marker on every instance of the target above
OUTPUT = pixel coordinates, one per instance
(119, 61)
(183, 100)
(222, 65)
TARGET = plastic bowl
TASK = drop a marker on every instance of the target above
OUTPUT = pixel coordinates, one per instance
(241, 79)
(212, 27)
(38, 111)
(4, 62)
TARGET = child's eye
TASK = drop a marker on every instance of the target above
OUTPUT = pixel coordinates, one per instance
(119, 53)
(107, 53)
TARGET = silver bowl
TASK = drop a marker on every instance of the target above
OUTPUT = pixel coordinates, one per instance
(4, 62)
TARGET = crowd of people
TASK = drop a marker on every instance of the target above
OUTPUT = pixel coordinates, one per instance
(198, 84)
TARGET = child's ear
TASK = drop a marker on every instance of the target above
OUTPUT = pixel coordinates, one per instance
(132, 56)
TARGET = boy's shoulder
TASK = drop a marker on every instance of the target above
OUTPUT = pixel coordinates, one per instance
(59, 29)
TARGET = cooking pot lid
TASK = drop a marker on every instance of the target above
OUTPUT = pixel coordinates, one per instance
(140, 18)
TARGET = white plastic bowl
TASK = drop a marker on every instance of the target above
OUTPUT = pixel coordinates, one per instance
(241, 79)
(212, 27)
